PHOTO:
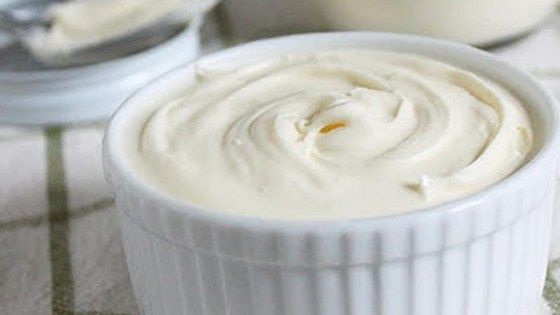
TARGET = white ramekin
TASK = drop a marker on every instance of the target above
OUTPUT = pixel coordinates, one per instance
(484, 254)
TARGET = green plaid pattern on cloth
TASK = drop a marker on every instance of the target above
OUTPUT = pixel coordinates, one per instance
(552, 287)
(60, 247)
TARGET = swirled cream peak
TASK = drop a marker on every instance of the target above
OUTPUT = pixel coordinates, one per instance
(341, 134)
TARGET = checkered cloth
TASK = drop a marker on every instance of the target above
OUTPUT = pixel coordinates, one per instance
(60, 248)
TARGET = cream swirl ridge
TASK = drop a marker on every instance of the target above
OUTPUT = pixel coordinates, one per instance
(340, 134)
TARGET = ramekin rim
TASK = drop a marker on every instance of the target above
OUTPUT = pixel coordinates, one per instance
(183, 207)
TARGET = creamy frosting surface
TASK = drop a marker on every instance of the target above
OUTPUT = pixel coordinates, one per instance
(338, 134)
(84, 23)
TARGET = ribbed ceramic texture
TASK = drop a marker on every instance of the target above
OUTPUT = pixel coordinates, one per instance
(482, 258)
(555, 239)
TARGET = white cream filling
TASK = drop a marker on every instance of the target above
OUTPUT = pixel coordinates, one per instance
(83, 23)
(342, 134)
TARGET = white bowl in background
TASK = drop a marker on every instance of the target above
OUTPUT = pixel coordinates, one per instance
(91, 92)
(483, 254)
(478, 22)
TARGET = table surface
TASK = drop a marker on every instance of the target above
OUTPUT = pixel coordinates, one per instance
(60, 248)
